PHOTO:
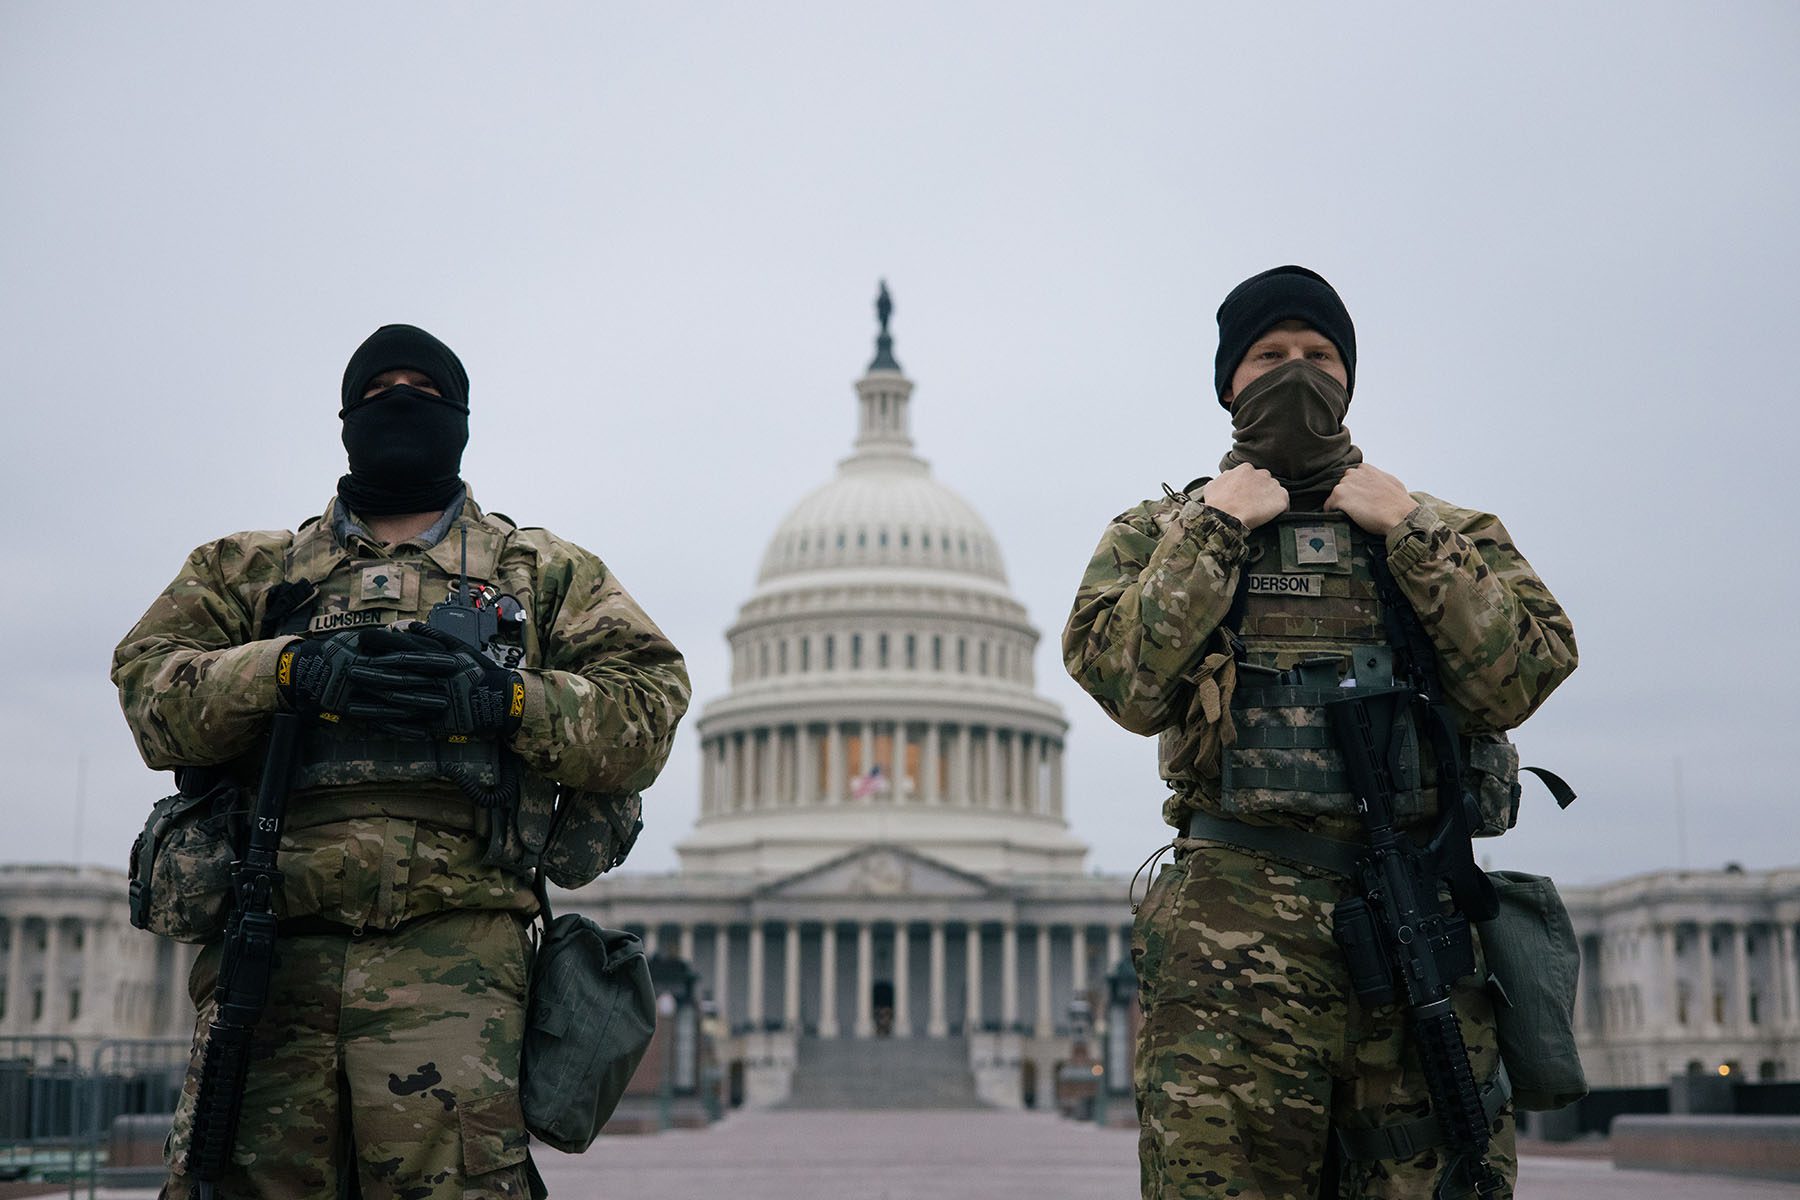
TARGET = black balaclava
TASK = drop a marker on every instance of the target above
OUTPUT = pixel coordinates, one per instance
(1264, 301)
(405, 444)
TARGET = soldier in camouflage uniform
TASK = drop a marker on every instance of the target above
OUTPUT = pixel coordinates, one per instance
(387, 1060)
(1259, 1073)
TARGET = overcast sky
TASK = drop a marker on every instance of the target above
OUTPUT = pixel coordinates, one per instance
(653, 232)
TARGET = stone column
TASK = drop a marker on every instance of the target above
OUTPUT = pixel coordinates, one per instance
(994, 797)
(709, 782)
(902, 979)
(806, 766)
(928, 764)
(1113, 951)
(1009, 975)
(1040, 776)
(753, 1010)
(790, 982)
(834, 764)
(1015, 769)
(53, 1003)
(1790, 1010)
(1079, 949)
(16, 996)
(962, 768)
(771, 757)
(1706, 977)
(740, 772)
(1740, 977)
(828, 1005)
(972, 1017)
(1046, 1020)
(1056, 780)
(652, 939)
(865, 955)
(937, 1024)
(868, 754)
(721, 980)
(1671, 981)
(899, 773)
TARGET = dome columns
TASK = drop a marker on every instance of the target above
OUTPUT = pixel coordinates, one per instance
(991, 766)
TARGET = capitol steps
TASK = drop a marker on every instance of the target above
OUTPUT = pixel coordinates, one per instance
(878, 1072)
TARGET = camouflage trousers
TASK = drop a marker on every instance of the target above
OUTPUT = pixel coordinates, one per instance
(390, 1059)
(1253, 1043)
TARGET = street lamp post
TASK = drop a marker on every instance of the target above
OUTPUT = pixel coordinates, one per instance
(1115, 1052)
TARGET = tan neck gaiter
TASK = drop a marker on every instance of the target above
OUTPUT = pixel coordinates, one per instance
(1290, 423)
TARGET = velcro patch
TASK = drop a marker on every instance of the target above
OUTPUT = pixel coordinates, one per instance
(1287, 585)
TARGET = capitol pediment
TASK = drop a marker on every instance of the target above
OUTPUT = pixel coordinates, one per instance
(880, 871)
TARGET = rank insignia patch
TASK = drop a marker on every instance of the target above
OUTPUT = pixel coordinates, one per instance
(1315, 544)
(381, 583)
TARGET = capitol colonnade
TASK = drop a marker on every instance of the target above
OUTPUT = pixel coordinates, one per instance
(75, 968)
(1685, 972)
(827, 977)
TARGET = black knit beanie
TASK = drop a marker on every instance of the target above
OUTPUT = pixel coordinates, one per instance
(405, 347)
(1263, 301)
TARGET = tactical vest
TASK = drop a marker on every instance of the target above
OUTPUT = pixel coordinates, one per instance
(573, 841)
(1309, 621)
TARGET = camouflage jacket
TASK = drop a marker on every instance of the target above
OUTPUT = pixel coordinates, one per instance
(1143, 635)
(604, 692)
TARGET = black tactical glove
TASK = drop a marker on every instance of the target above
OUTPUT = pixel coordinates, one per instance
(483, 698)
(337, 677)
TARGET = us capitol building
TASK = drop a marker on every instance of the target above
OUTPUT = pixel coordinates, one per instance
(881, 848)
(882, 859)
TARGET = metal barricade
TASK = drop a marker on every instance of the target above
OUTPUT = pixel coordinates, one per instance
(131, 1093)
(41, 1119)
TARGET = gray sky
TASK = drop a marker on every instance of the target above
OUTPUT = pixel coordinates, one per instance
(653, 233)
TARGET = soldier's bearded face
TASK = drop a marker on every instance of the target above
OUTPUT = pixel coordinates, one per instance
(1290, 341)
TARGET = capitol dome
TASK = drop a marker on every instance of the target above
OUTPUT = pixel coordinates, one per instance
(882, 684)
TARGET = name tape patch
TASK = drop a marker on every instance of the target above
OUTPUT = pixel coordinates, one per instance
(332, 622)
(1287, 585)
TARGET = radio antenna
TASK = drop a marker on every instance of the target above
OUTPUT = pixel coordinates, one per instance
(463, 576)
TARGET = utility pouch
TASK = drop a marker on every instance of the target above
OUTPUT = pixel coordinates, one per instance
(181, 863)
(1353, 928)
(1492, 776)
(1530, 949)
(592, 833)
(588, 1023)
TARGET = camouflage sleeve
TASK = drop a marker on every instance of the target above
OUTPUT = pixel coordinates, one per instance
(1503, 641)
(1159, 583)
(196, 687)
(600, 714)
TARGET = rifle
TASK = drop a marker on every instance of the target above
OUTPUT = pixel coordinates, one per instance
(244, 967)
(1397, 929)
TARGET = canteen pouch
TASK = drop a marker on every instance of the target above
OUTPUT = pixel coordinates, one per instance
(1530, 948)
(588, 1023)
(181, 863)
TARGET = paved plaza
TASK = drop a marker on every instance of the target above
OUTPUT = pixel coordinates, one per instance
(978, 1155)
(965, 1155)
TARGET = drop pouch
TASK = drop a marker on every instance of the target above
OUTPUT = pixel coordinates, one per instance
(180, 867)
(1530, 949)
(588, 1022)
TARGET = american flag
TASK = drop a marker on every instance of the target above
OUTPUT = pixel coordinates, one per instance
(868, 783)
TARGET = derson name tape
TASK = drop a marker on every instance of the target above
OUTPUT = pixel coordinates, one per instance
(1287, 585)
